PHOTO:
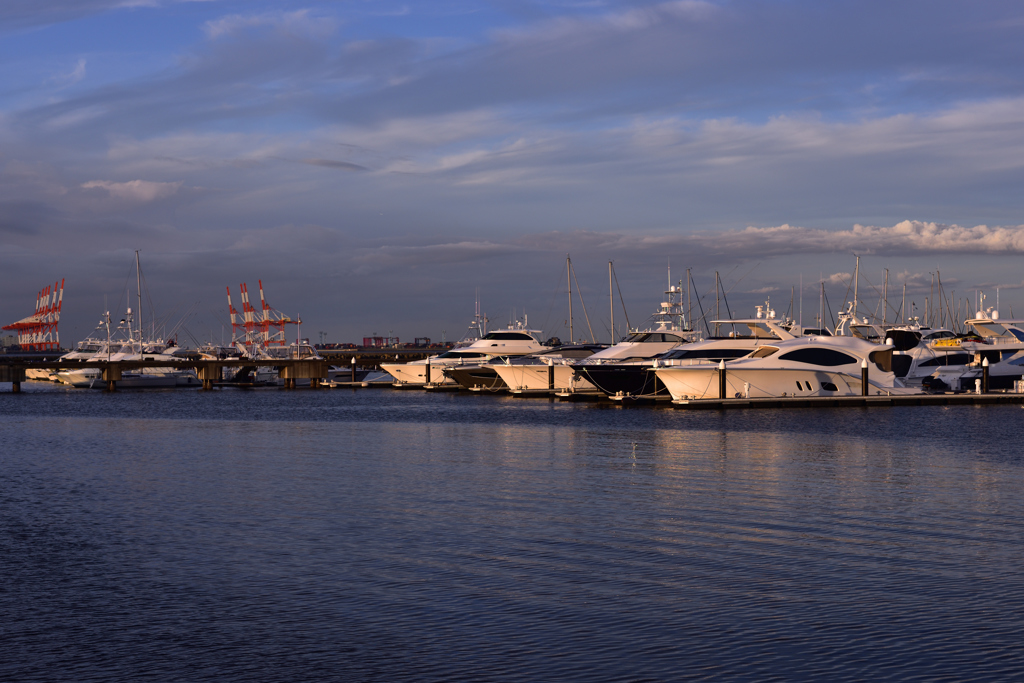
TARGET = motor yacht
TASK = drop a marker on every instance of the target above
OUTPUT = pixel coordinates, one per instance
(527, 374)
(802, 367)
(734, 338)
(516, 340)
(997, 341)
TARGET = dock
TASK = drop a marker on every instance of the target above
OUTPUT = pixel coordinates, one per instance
(949, 399)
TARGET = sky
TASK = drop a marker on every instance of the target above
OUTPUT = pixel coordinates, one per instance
(377, 163)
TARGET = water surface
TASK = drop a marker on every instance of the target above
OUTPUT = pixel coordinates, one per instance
(397, 535)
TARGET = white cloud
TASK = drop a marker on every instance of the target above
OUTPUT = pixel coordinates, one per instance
(135, 190)
(300, 21)
(906, 237)
(70, 78)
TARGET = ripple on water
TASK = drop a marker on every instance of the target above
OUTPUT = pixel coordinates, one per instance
(399, 536)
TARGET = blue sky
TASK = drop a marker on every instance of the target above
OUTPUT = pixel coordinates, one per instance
(376, 162)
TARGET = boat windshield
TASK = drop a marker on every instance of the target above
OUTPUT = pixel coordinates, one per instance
(653, 338)
(462, 354)
(509, 336)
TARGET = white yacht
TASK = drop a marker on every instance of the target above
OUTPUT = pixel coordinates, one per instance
(635, 377)
(804, 366)
(996, 340)
(516, 340)
(918, 350)
(127, 343)
(541, 372)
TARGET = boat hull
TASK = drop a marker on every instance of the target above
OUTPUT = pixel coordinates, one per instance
(536, 378)
(416, 373)
(690, 383)
(476, 377)
(638, 381)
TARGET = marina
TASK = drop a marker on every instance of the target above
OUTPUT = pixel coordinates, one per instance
(616, 341)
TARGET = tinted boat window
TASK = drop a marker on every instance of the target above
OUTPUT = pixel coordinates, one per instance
(507, 336)
(818, 356)
(707, 354)
(883, 360)
(947, 359)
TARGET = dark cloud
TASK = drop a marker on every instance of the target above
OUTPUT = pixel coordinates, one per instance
(16, 14)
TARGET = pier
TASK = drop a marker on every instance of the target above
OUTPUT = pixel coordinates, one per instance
(209, 372)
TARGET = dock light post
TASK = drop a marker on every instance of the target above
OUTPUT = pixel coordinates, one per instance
(721, 380)
(984, 375)
(353, 369)
(428, 371)
(551, 376)
(863, 377)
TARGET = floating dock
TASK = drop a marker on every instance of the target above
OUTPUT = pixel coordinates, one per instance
(852, 401)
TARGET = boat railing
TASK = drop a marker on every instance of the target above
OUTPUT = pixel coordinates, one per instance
(678, 362)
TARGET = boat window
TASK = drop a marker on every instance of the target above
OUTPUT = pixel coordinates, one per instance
(462, 354)
(901, 363)
(818, 356)
(799, 386)
(904, 340)
(764, 352)
(865, 332)
(941, 334)
(812, 332)
(947, 359)
(638, 337)
(672, 338)
(828, 386)
(509, 336)
(705, 354)
(882, 359)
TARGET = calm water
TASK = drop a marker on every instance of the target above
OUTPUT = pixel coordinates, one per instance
(387, 536)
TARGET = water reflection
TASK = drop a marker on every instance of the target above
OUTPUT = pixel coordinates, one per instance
(412, 537)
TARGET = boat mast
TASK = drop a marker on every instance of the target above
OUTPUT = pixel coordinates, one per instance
(718, 304)
(611, 301)
(568, 279)
(903, 305)
(821, 306)
(856, 285)
(689, 324)
(931, 302)
(885, 297)
(138, 286)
